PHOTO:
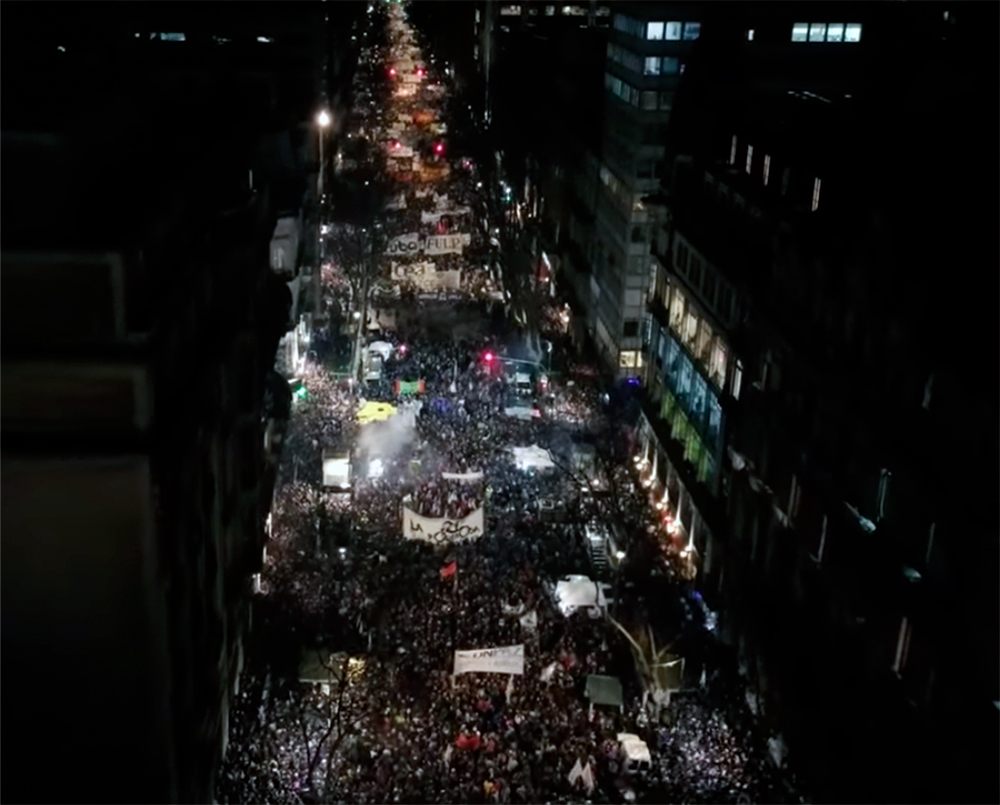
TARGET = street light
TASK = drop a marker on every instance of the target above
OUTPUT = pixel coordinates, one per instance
(323, 119)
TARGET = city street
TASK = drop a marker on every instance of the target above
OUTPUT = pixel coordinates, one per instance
(468, 594)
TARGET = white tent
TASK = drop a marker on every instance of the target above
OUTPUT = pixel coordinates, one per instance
(579, 592)
(533, 457)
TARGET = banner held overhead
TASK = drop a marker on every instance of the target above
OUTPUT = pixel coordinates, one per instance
(501, 660)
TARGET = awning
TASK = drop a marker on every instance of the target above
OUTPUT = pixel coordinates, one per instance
(604, 690)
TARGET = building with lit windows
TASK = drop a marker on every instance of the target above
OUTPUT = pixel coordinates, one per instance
(814, 501)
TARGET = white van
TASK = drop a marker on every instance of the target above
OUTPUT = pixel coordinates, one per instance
(634, 753)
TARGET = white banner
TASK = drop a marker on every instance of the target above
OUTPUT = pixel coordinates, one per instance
(462, 476)
(434, 217)
(442, 530)
(447, 244)
(502, 660)
(404, 245)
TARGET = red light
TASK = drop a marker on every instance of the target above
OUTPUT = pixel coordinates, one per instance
(392, 71)
(420, 73)
(488, 356)
(402, 349)
(438, 148)
(395, 143)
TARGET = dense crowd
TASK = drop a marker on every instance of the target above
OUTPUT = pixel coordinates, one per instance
(390, 722)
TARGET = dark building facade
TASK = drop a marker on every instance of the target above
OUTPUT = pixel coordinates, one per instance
(800, 404)
(141, 315)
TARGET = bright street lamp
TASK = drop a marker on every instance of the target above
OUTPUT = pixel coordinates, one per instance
(323, 120)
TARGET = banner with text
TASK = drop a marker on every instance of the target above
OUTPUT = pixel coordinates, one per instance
(502, 660)
(442, 530)
(404, 244)
(446, 244)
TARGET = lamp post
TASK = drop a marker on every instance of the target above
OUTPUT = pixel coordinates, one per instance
(323, 119)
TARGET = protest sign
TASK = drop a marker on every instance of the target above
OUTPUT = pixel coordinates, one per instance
(442, 530)
(501, 660)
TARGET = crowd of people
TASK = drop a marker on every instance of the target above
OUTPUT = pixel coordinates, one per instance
(391, 722)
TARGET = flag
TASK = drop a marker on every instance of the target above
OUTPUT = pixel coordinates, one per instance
(449, 570)
(587, 778)
(576, 773)
(548, 671)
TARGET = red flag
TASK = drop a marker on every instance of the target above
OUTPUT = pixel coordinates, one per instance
(449, 570)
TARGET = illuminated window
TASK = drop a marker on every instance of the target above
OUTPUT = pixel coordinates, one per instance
(627, 359)
(767, 168)
(265, 40)
(690, 329)
(717, 367)
(172, 37)
(732, 152)
(676, 311)
(692, 30)
(652, 66)
(654, 30)
(749, 157)
(705, 337)
(800, 32)
(737, 379)
(817, 31)
(749, 34)
(550, 11)
(815, 199)
(835, 32)
(852, 33)
(669, 65)
(510, 11)
(672, 31)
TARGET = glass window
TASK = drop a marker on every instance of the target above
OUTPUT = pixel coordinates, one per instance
(695, 275)
(550, 11)
(699, 402)
(672, 31)
(692, 30)
(654, 30)
(684, 379)
(666, 101)
(676, 311)
(669, 65)
(652, 65)
(800, 31)
(633, 96)
(709, 287)
(705, 336)
(817, 31)
(648, 101)
(852, 33)
(673, 361)
(718, 365)
(690, 329)
(835, 32)
(749, 158)
(664, 338)
(667, 406)
(714, 428)
(737, 379)
(627, 359)
(767, 168)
